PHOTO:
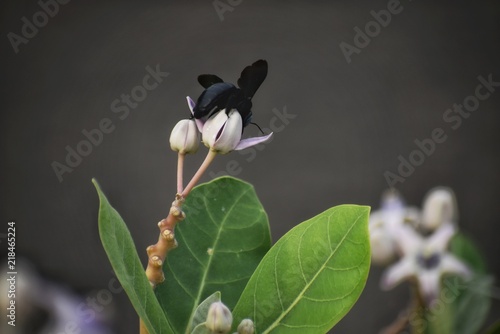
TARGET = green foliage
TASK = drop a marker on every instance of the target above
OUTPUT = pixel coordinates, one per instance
(312, 276)
(473, 301)
(305, 284)
(124, 259)
(462, 306)
(221, 242)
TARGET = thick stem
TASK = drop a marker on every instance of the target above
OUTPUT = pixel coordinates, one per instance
(166, 241)
(197, 176)
(180, 169)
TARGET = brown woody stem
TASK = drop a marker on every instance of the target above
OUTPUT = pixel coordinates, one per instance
(166, 241)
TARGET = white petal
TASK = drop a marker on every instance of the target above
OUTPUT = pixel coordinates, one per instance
(429, 282)
(212, 127)
(439, 240)
(248, 142)
(398, 272)
(407, 239)
(231, 134)
(439, 207)
(222, 132)
(452, 265)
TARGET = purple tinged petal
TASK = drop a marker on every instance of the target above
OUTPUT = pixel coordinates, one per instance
(191, 105)
(249, 142)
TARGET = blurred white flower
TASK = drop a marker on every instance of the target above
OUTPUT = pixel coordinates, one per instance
(425, 259)
(246, 326)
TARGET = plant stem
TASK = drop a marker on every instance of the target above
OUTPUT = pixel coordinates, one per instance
(166, 240)
(142, 328)
(208, 159)
(180, 169)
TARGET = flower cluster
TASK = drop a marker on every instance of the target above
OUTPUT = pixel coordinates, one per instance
(419, 238)
(221, 133)
(220, 319)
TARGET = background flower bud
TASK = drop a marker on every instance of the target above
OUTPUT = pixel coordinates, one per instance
(439, 207)
(246, 327)
(219, 318)
(184, 137)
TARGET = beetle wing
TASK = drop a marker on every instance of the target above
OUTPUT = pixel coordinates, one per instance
(252, 77)
(207, 80)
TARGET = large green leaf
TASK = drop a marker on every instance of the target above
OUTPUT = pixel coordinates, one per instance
(312, 276)
(122, 254)
(221, 242)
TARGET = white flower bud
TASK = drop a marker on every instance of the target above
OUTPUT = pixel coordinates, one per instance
(222, 132)
(439, 207)
(184, 137)
(219, 318)
(246, 327)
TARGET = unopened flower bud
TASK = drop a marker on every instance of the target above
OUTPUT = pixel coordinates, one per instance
(222, 132)
(246, 327)
(219, 318)
(439, 207)
(184, 137)
(382, 246)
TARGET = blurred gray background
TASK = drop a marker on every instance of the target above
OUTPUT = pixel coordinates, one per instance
(352, 120)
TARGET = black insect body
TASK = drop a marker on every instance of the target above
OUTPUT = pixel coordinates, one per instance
(220, 95)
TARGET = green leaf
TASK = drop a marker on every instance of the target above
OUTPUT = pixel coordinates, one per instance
(312, 276)
(465, 249)
(221, 242)
(201, 312)
(473, 299)
(462, 306)
(124, 259)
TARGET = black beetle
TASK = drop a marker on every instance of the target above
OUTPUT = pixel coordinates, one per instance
(220, 95)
